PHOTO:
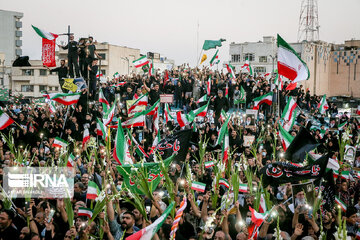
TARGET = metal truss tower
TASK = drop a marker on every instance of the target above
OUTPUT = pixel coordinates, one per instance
(308, 21)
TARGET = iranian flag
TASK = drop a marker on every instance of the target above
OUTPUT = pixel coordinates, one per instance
(198, 186)
(116, 75)
(93, 190)
(48, 46)
(141, 62)
(267, 98)
(289, 109)
(208, 86)
(86, 137)
(278, 82)
(345, 175)
(289, 63)
(5, 120)
(168, 116)
(358, 110)
(101, 129)
(121, 147)
(224, 182)
(222, 131)
(286, 138)
(209, 164)
(340, 203)
(99, 74)
(52, 106)
(215, 57)
(227, 91)
(242, 97)
(243, 187)
(202, 99)
(141, 101)
(119, 84)
(199, 112)
(102, 99)
(230, 70)
(247, 67)
(138, 120)
(58, 142)
(225, 147)
(71, 161)
(291, 86)
(333, 164)
(341, 126)
(262, 205)
(138, 149)
(322, 105)
(109, 115)
(257, 218)
(66, 98)
(153, 109)
(289, 124)
(87, 212)
(148, 232)
(181, 119)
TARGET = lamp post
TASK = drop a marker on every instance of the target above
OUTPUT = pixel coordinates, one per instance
(273, 60)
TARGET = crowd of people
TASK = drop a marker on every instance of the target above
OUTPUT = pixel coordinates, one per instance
(204, 217)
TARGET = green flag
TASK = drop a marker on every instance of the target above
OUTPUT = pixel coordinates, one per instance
(242, 97)
(130, 174)
(209, 44)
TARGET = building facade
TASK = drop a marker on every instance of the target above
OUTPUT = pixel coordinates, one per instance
(10, 32)
(31, 81)
(114, 58)
(333, 68)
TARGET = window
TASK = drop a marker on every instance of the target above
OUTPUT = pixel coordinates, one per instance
(28, 72)
(263, 59)
(56, 89)
(27, 88)
(103, 72)
(43, 72)
(42, 88)
(50, 88)
(249, 56)
(235, 58)
(259, 69)
(103, 55)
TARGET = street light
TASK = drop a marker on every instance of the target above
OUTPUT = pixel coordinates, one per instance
(273, 59)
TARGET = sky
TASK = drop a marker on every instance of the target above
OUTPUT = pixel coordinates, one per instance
(171, 27)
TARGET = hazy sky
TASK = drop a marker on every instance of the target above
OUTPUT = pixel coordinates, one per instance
(170, 27)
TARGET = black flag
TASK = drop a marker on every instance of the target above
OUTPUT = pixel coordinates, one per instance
(303, 143)
(177, 143)
(327, 187)
(281, 172)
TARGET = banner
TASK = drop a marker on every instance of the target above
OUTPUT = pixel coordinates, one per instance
(48, 52)
(69, 84)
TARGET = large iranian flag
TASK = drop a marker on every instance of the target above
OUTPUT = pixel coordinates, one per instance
(322, 105)
(102, 99)
(48, 46)
(247, 67)
(45, 34)
(212, 61)
(182, 119)
(121, 147)
(148, 232)
(109, 115)
(141, 62)
(65, 98)
(267, 98)
(5, 120)
(200, 112)
(140, 101)
(289, 109)
(138, 120)
(286, 138)
(290, 64)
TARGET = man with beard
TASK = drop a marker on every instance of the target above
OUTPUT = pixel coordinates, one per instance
(24, 233)
(127, 223)
(7, 231)
(329, 225)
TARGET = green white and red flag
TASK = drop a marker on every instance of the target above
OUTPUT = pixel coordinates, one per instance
(262, 205)
(87, 212)
(288, 125)
(152, 69)
(182, 119)
(214, 58)
(121, 151)
(257, 218)
(101, 129)
(208, 86)
(99, 74)
(289, 109)
(140, 62)
(278, 82)
(202, 99)
(60, 143)
(267, 98)
(230, 70)
(225, 147)
(93, 190)
(45, 34)
(247, 67)
(148, 232)
(118, 84)
(222, 132)
(48, 46)
(358, 110)
(167, 111)
(286, 138)
(198, 186)
(209, 164)
(71, 161)
(140, 101)
(291, 86)
(153, 109)
(138, 120)
(340, 203)
(138, 149)
(227, 91)
(86, 137)
(65, 98)
(224, 182)
(5, 120)
(116, 75)
(109, 114)
(289, 63)
(341, 126)
(102, 99)
(322, 105)
(333, 164)
(155, 142)
(243, 187)
(345, 175)
(199, 112)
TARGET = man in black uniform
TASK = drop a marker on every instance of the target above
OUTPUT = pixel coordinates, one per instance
(91, 53)
(62, 73)
(72, 57)
(93, 69)
(220, 103)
